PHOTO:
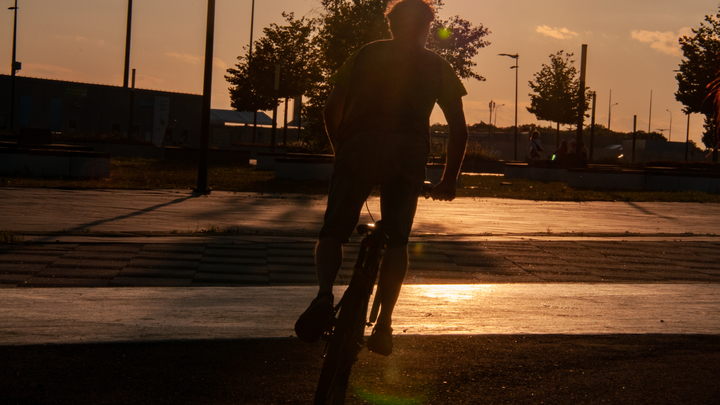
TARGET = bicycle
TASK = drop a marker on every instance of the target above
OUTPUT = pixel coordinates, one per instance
(345, 333)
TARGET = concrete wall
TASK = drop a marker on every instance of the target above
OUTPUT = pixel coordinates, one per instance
(53, 163)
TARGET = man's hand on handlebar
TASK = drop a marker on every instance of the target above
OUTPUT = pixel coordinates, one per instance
(443, 191)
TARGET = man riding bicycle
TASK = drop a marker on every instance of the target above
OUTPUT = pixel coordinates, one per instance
(378, 120)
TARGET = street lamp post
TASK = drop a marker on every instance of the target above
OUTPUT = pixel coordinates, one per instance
(202, 187)
(496, 110)
(128, 31)
(609, 115)
(14, 67)
(516, 57)
(670, 133)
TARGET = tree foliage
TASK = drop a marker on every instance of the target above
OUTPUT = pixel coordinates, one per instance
(321, 46)
(698, 68)
(253, 78)
(555, 89)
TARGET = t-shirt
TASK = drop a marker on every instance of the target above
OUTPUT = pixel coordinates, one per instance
(393, 90)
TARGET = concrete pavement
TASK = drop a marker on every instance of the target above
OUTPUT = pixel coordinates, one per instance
(506, 301)
(174, 212)
(170, 238)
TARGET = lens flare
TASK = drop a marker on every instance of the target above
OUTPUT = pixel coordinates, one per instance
(444, 33)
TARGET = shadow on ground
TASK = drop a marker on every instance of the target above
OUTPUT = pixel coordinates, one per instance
(489, 369)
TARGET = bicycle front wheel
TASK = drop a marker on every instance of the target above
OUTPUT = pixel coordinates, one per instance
(344, 345)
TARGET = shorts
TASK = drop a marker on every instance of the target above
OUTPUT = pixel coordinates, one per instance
(397, 163)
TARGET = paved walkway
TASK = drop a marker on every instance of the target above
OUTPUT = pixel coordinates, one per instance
(170, 238)
(563, 294)
(173, 212)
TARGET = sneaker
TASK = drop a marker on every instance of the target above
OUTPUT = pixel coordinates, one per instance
(380, 341)
(311, 324)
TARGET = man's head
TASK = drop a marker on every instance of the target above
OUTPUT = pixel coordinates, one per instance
(410, 19)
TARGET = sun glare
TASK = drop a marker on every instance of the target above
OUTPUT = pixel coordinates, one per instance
(450, 292)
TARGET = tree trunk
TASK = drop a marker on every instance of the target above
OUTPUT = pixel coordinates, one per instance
(557, 136)
(285, 122)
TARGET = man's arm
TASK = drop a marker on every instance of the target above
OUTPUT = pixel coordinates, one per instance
(332, 114)
(455, 117)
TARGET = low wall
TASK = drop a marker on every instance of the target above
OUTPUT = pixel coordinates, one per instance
(217, 156)
(320, 167)
(295, 168)
(46, 162)
(483, 166)
(268, 160)
(608, 180)
(524, 171)
(620, 178)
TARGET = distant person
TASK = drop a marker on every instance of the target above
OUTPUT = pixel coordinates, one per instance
(577, 155)
(534, 148)
(560, 155)
(378, 120)
(572, 146)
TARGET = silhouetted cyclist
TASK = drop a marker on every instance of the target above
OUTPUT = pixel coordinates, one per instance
(378, 120)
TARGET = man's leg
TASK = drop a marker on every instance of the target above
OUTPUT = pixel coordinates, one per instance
(392, 274)
(328, 259)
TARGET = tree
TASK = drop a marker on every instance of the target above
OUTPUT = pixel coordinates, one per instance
(253, 78)
(555, 89)
(698, 68)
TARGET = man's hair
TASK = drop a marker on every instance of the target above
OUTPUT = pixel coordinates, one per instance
(418, 11)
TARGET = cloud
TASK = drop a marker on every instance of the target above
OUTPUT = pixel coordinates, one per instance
(194, 60)
(49, 71)
(665, 42)
(82, 40)
(185, 57)
(558, 33)
(219, 63)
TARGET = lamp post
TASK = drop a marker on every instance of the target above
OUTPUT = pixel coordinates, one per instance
(516, 57)
(496, 110)
(670, 133)
(202, 187)
(128, 31)
(609, 115)
(14, 67)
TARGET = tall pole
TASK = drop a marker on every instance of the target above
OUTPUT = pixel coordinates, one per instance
(207, 93)
(581, 96)
(632, 159)
(516, 57)
(650, 115)
(491, 105)
(126, 76)
(687, 137)
(516, 103)
(13, 68)
(670, 134)
(132, 105)
(610, 104)
(252, 27)
(592, 126)
(274, 117)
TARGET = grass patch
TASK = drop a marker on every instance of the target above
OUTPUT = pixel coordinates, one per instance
(149, 174)
(136, 173)
(9, 238)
